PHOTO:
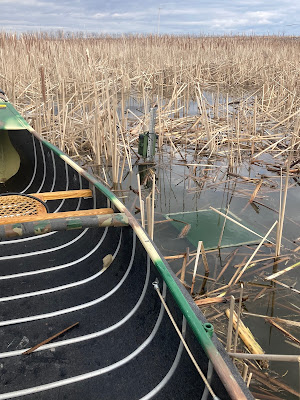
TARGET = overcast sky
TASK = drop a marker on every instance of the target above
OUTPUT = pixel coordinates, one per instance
(133, 16)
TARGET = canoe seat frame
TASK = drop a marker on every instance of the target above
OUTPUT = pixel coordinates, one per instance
(12, 225)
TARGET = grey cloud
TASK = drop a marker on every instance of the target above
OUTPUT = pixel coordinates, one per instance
(118, 16)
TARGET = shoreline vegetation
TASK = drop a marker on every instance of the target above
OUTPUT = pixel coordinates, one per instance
(223, 103)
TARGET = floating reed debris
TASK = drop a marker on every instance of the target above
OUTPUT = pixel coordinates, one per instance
(284, 331)
(245, 334)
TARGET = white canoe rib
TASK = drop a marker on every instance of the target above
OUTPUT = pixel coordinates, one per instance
(169, 375)
(92, 374)
(71, 309)
(93, 335)
(57, 267)
(62, 287)
(34, 169)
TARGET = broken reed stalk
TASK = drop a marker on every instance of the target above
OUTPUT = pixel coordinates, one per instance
(200, 249)
(269, 278)
(230, 323)
(272, 383)
(148, 208)
(244, 372)
(152, 207)
(141, 201)
(284, 331)
(236, 222)
(254, 253)
(195, 266)
(268, 357)
(238, 318)
(249, 379)
(282, 209)
(245, 334)
(226, 265)
(286, 286)
(281, 320)
(182, 275)
(223, 228)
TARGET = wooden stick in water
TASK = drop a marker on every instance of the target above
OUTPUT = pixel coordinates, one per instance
(49, 339)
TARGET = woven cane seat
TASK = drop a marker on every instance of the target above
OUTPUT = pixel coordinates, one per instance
(20, 205)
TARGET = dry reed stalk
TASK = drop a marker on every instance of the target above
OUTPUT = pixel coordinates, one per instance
(236, 222)
(226, 265)
(245, 334)
(283, 205)
(230, 324)
(254, 253)
(245, 372)
(141, 201)
(148, 208)
(284, 331)
(200, 249)
(152, 207)
(183, 269)
(238, 318)
(274, 384)
(276, 274)
(281, 320)
(286, 286)
(249, 379)
(268, 357)
(195, 266)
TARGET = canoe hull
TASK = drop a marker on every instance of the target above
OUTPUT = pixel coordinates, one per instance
(125, 346)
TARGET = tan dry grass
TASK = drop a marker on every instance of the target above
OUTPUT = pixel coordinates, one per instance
(71, 89)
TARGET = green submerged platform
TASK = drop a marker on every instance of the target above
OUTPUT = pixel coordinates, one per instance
(207, 225)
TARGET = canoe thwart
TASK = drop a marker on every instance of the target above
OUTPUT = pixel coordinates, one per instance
(42, 226)
(67, 194)
(38, 217)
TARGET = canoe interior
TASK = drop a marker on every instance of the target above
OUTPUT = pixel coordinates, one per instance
(125, 346)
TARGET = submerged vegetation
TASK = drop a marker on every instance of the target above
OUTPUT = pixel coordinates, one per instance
(228, 120)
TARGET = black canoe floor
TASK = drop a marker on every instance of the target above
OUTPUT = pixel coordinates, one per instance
(125, 346)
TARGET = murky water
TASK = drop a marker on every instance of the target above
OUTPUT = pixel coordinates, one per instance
(182, 188)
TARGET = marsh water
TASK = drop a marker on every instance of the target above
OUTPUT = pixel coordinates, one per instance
(181, 188)
(185, 183)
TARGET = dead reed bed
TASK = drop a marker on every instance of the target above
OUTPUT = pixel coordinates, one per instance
(218, 95)
(223, 104)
